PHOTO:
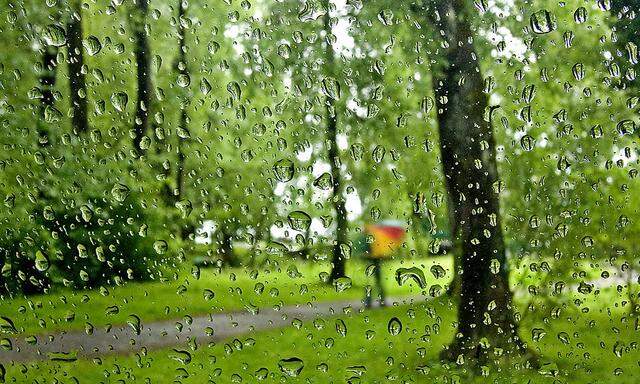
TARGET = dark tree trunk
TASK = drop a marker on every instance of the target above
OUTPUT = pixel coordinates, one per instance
(456, 248)
(143, 65)
(339, 208)
(47, 83)
(181, 66)
(77, 86)
(467, 145)
(225, 250)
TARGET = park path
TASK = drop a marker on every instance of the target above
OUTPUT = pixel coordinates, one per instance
(166, 333)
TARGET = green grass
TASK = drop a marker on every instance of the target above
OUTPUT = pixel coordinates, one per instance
(234, 289)
(370, 354)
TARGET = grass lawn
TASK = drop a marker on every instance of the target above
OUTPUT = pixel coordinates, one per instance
(186, 294)
(579, 346)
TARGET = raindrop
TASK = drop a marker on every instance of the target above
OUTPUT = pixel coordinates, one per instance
(341, 327)
(438, 271)
(41, 261)
(580, 15)
(234, 90)
(185, 207)
(563, 163)
(181, 356)
(632, 52)
(527, 143)
(160, 246)
(542, 22)
(51, 114)
(205, 86)
(183, 80)
(120, 192)
(426, 105)
(331, 88)
(342, 284)
(6, 325)
(324, 182)
(414, 273)
(55, 35)
(92, 45)
(86, 213)
(626, 127)
(283, 170)
(578, 71)
(134, 323)
(291, 366)
(378, 153)
(284, 51)
(119, 101)
(394, 326)
(299, 220)
(537, 334)
(63, 356)
(386, 17)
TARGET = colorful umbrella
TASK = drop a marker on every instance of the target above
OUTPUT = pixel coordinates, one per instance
(387, 237)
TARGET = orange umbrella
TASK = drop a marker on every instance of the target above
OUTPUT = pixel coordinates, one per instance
(386, 239)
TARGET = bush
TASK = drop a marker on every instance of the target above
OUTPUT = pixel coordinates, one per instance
(18, 264)
(101, 242)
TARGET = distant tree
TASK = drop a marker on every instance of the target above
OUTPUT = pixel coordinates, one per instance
(183, 76)
(143, 73)
(77, 85)
(333, 152)
(47, 83)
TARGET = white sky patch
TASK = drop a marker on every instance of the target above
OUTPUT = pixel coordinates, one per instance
(344, 42)
(514, 47)
(233, 32)
(620, 155)
(343, 141)
(353, 205)
(205, 232)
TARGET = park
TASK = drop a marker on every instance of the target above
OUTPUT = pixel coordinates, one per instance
(319, 191)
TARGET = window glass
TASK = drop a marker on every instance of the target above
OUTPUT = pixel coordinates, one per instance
(319, 191)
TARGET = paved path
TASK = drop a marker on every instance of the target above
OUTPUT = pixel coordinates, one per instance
(123, 338)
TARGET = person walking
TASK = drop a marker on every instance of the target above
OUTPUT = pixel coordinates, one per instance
(383, 240)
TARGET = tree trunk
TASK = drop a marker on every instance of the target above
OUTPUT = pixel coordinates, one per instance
(77, 86)
(486, 317)
(225, 241)
(143, 65)
(339, 208)
(181, 66)
(47, 83)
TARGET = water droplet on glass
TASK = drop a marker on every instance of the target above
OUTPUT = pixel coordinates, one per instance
(386, 17)
(120, 192)
(55, 35)
(580, 15)
(160, 246)
(291, 366)
(414, 274)
(119, 100)
(527, 143)
(299, 220)
(331, 88)
(41, 261)
(342, 284)
(438, 271)
(542, 22)
(92, 45)
(394, 326)
(283, 170)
